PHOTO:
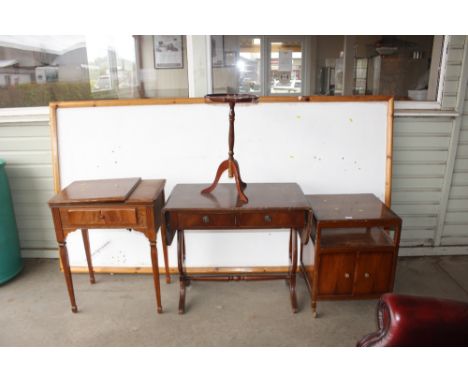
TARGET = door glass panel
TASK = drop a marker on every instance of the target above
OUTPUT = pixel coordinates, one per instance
(328, 58)
(286, 67)
(236, 62)
(249, 65)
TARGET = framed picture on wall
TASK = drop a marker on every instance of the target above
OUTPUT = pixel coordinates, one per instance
(217, 51)
(168, 52)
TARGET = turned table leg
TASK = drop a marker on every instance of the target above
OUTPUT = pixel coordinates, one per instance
(84, 233)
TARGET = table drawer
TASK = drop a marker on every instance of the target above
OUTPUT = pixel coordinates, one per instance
(100, 216)
(277, 219)
(205, 220)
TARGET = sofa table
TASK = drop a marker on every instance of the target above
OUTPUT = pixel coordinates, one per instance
(270, 206)
(113, 203)
(356, 239)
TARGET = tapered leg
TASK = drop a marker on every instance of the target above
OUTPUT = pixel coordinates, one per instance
(84, 233)
(317, 259)
(184, 256)
(67, 273)
(314, 309)
(292, 270)
(180, 263)
(290, 244)
(154, 262)
(290, 251)
(164, 245)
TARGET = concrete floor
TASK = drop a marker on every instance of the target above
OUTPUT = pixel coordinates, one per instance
(119, 310)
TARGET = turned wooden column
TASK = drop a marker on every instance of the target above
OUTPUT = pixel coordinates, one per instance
(230, 164)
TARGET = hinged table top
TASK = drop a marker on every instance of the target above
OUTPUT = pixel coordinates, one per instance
(125, 190)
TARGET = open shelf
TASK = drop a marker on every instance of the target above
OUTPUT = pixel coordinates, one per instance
(351, 239)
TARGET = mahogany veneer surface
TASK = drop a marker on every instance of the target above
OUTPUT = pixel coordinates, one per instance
(108, 190)
(261, 196)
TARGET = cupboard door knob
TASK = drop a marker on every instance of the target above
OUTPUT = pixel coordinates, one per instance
(205, 219)
(346, 275)
(267, 219)
(366, 275)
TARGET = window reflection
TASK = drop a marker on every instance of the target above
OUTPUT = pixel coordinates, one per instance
(111, 66)
(286, 67)
(36, 70)
(237, 65)
(400, 65)
(329, 58)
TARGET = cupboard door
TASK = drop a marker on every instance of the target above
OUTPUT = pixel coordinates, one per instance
(336, 274)
(373, 273)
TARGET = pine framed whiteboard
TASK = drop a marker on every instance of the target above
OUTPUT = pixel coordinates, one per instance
(325, 144)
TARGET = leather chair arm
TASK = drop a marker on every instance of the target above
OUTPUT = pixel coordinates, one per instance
(419, 321)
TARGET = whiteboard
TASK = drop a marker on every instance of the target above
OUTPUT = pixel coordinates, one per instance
(325, 147)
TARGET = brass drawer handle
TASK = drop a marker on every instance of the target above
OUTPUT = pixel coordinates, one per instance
(366, 275)
(346, 275)
(267, 219)
(205, 219)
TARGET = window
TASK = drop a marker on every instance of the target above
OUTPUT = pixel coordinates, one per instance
(237, 64)
(327, 56)
(35, 70)
(285, 67)
(406, 67)
(360, 76)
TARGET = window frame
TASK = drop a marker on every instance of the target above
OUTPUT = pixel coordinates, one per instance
(430, 105)
(265, 43)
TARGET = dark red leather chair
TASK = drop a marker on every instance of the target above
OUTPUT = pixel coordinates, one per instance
(419, 321)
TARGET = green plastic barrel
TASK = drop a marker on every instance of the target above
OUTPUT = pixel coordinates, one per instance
(10, 259)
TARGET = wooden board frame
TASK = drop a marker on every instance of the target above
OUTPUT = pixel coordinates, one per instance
(53, 106)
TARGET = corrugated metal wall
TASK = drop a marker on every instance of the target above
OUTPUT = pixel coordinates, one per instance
(26, 146)
(455, 54)
(455, 230)
(430, 170)
(419, 163)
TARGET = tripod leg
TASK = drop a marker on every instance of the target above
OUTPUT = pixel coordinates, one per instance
(242, 183)
(239, 184)
(222, 167)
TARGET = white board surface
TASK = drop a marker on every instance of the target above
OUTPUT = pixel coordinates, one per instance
(329, 147)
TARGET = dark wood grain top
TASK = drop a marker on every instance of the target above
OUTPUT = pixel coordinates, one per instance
(349, 207)
(147, 191)
(231, 98)
(225, 197)
(129, 190)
